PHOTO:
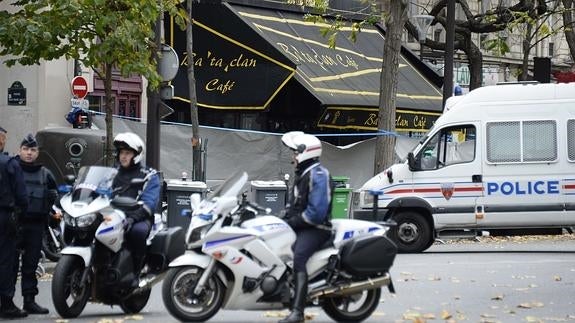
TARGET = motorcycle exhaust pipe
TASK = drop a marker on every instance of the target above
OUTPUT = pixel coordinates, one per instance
(352, 288)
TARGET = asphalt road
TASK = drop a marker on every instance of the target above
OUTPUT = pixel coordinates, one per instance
(521, 280)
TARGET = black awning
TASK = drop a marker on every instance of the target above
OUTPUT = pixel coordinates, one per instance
(245, 56)
(234, 69)
(348, 75)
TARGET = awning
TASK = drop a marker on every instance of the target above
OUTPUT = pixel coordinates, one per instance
(348, 75)
(244, 57)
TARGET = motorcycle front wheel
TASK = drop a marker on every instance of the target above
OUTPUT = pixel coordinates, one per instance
(69, 295)
(180, 300)
(352, 308)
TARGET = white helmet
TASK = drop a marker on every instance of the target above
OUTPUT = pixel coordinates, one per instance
(128, 140)
(305, 145)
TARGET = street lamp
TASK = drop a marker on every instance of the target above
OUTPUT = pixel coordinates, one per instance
(422, 23)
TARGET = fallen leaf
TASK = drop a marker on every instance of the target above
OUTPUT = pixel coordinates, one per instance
(487, 315)
(134, 317)
(557, 278)
(429, 316)
(435, 278)
(497, 298)
(533, 319)
(445, 315)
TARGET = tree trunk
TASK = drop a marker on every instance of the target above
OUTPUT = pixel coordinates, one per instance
(475, 61)
(385, 145)
(196, 143)
(109, 155)
(569, 23)
(526, 45)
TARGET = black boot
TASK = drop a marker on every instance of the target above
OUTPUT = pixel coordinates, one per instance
(9, 311)
(32, 307)
(298, 305)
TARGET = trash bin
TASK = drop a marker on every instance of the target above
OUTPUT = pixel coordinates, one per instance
(340, 198)
(179, 192)
(270, 194)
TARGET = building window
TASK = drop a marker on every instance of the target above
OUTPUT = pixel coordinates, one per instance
(437, 35)
(551, 49)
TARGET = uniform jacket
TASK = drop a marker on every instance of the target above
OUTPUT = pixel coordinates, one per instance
(35, 175)
(148, 192)
(310, 197)
(14, 194)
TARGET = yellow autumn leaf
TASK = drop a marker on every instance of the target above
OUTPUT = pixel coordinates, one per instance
(445, 315)
(557, 278)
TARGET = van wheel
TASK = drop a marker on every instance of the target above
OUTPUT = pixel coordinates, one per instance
(412, 233)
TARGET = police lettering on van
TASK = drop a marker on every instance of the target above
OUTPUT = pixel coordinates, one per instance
(523, 188)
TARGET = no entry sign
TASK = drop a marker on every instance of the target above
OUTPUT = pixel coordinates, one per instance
(79, 87)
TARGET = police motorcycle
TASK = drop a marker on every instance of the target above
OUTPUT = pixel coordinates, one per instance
(95, 266)
(236, 260)
(53, 238)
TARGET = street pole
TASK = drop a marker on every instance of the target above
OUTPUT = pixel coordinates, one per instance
(153, 122)
(449, 52)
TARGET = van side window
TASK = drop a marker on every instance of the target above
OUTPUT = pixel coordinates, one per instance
(571, 139)
(522, 141)
(453, 145)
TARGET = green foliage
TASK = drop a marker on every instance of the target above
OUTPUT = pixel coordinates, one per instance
(498, 46)
(116, 32)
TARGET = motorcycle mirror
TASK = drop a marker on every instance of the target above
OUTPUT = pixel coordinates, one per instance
(195, 200)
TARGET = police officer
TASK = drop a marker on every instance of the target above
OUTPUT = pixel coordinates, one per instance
(42, 193)
(308, 211)
(130, 151)
(13, 197)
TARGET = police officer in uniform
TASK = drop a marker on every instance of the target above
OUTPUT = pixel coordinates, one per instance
(308, 212)
(13, 197)
(130, 151)
(42, 193)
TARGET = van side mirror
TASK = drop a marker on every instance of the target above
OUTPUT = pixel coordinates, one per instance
(411, 161)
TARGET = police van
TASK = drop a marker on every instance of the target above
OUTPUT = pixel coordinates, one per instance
(501, 159)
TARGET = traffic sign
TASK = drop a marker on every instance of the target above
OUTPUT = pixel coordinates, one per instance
(79, 87)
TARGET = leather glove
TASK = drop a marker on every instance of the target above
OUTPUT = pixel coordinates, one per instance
(128, 222)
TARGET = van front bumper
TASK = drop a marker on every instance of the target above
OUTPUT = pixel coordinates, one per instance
(367, 214)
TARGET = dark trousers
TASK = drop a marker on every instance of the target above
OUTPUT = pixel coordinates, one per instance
(309, 240)
(8, 264)
(30, 245)
(136, 238)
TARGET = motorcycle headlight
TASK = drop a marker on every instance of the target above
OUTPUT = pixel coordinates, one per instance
(85, 220)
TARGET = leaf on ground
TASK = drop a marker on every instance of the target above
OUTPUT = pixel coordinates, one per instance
(435, 278)
(532, 286)
(61, 321)
(310, 316)
(557, 278)
(276, 313)
(429, 316)
(445, 315)
(497, 298)
(533, 319)
(411, 315)
(530, 305)
(134, 317)
(487, 316)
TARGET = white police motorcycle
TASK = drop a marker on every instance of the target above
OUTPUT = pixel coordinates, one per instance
(239, 261)
(95, 266)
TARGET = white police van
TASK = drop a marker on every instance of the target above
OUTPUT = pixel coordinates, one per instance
(500, 159)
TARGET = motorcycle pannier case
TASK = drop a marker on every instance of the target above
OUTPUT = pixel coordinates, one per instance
(368, 255)
(167, 245)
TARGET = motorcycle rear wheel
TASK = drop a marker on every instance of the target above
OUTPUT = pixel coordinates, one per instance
(67, 286)
(180, 301)
(338, 308)
(136, 303)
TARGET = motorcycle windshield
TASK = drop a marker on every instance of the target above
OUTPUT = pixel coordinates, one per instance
(231, 186)
(93, 181)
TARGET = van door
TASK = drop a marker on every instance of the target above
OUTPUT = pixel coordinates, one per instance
(522, 174)
(447, 174)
